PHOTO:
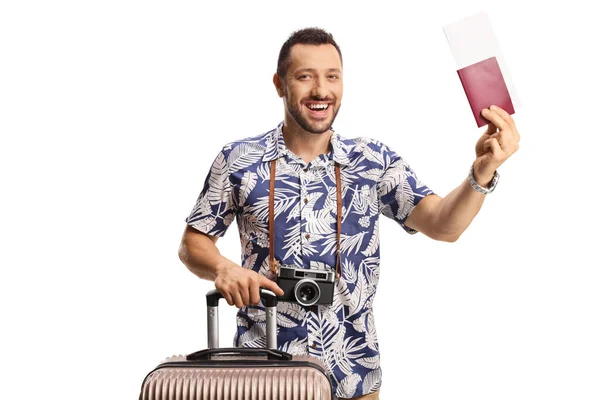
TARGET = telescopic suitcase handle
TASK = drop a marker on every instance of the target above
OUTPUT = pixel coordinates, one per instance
(270, 301)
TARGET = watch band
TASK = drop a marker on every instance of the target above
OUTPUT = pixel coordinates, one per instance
(480, 188)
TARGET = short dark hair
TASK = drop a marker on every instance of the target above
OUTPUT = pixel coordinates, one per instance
(316, 36)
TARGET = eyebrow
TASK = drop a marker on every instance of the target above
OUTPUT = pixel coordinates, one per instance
(314, 70)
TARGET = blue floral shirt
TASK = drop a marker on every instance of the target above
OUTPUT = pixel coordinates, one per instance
(375, 180)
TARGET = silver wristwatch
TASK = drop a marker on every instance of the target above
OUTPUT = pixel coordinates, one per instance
(480, 188)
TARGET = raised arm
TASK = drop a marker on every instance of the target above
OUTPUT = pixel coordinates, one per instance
(447, 218)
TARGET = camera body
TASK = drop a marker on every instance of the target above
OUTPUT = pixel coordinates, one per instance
(306, 287)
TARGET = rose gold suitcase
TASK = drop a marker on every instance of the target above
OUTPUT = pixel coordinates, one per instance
(237, 373)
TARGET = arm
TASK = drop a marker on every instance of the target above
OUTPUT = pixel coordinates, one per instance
(447, 218)
(199, 253)
(239, 286)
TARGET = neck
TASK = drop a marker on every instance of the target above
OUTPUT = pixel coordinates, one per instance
(304, 144)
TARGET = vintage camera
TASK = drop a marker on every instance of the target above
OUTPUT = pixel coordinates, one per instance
(306, 287)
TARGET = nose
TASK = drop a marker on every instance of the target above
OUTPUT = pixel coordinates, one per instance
(319, 88)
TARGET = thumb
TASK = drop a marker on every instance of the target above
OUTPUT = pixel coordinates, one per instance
(270, 285)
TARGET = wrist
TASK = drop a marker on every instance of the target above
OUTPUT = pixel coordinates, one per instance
(483, 180)
(483, 184)
(221, 266)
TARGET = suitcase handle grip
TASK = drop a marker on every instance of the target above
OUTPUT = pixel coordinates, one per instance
(213, 297)
(271, 354)
(270, 301)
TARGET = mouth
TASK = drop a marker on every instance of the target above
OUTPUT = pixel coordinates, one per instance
(318, 109)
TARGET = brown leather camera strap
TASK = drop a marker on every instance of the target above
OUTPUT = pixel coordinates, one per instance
(338, 189)
(274, 264)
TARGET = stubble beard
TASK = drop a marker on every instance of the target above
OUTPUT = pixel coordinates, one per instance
(296, 113)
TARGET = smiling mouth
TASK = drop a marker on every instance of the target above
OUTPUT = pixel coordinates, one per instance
(318, 106)
(318, 110)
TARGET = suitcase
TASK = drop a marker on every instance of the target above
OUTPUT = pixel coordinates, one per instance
(237, 373)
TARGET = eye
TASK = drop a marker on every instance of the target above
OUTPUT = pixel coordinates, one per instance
(304, 77)
(334, 77)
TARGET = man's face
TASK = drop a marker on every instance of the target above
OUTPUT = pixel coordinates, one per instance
(313, 87)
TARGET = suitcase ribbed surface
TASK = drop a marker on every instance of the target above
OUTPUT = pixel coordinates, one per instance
(232, 383)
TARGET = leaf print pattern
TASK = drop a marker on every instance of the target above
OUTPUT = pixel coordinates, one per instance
(372, 174)
(250, 261)
(348, 385)
(359, 324)
(219, 188)
(207, 223)
(375, 180)
(342, 295)
(284, 199)
(244, 155)
(369, 362)
(296, 347)
(348, 244)
(248, 183)
(372, 381)
(371, 334)
(253, 337)
(373, 156)
(289, 314)
(374, 242)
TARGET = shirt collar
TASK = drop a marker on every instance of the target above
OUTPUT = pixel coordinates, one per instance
(276, 147)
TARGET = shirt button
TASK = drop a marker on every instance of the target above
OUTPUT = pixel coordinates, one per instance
(307, 236)
(305, 170)
(314, 345)
(305, 201)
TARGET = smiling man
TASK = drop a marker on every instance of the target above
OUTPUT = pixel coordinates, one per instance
(328, 192)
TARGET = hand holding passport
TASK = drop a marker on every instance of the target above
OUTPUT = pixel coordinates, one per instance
(480, 66)
(484, 86)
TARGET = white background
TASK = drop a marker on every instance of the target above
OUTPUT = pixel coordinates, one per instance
(111, 113)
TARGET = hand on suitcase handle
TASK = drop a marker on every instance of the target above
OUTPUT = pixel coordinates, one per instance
(213, 297)
(240, 286)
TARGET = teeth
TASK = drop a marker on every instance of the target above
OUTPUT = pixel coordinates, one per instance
(318, 106)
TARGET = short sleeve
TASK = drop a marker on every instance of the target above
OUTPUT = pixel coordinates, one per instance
(215, 209)
(399, 191)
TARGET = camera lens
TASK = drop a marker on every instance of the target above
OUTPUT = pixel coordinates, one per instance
(307, 292)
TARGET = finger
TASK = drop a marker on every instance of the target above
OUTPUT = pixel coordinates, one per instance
(509, 119)
(254, 293)
(245, 295)
(501, 137)
(504, 115)
(225, 291)
(508, 144)
(237, 299)
(491, 128)
(494, 118)
(228, 298)
(270, 285)
(493, 146)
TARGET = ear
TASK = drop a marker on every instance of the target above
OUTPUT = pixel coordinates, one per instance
(278, 85)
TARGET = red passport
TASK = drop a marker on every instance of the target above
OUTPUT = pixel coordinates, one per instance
(484, 86)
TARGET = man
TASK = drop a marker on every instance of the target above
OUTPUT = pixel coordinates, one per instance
(373, 179)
